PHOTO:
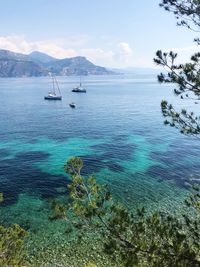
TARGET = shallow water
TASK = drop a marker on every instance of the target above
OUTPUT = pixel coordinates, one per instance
(117, 128)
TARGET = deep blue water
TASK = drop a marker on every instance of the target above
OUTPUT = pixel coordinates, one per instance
(117, 129)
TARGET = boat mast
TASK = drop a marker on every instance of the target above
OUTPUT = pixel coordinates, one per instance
(57, 85)
(79, 72)
(53, 82)
(54, 91)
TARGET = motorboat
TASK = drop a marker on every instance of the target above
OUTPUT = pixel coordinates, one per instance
(72, 105)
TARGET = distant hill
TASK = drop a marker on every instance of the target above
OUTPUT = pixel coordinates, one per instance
(42, 57)
(40, 64)
(137, 71)
(8, 55)
(76, 66)
(18, 65)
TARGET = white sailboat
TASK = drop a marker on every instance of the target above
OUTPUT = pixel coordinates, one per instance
(53, 95)
(79, 88)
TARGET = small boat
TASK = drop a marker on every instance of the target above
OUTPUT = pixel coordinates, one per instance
(52, 95)
(79, 89)
(72, 105)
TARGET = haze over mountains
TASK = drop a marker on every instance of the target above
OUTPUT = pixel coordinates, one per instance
(40, 64)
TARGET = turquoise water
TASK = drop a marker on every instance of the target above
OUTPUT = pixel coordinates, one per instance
(117, 129)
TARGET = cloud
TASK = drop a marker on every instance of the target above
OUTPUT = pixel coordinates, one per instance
(14, 43)
(53, 49)
(125, 49)
(20, 45)
(120, 55)
(124, 53)
(98, 55)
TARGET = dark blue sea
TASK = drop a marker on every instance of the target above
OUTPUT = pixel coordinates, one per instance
(116, 128)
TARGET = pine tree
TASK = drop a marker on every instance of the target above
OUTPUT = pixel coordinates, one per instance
(186, 76)
(138, 239)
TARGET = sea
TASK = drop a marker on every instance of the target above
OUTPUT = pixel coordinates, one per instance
(116, 128)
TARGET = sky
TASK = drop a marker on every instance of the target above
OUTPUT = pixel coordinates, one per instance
(110, 33)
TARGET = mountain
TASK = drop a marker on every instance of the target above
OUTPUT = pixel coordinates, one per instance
(41, 57)
(8, 55)
(18, 65)
(40, 64)
(76, 66)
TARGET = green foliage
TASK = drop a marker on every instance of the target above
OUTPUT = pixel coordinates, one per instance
(90, 265)
(11, 246)
(137, 240)
(12, 250)
(194, 200)
(74, 166)
(187, 79)
(58, 211)
(186, 76)
(186, 12)
(1, 197)
(185, 121)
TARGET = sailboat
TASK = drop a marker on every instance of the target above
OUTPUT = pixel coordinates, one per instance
(52, 95)
(79, 88)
